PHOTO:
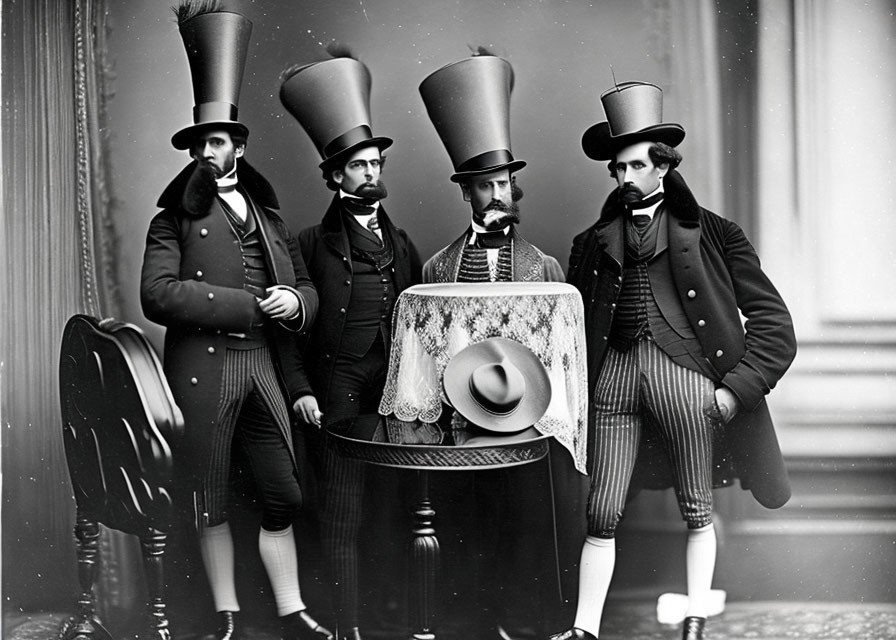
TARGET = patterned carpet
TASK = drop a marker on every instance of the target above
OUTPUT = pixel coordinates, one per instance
(637, 621)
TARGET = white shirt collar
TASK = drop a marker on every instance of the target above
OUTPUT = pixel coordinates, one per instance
(375, 205)
(651, 210)
(478, 228)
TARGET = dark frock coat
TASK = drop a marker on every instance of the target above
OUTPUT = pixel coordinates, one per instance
(192, 283)
(327, 253)
(709, 264)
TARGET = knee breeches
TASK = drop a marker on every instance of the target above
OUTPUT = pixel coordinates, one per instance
(253, 411)
(643, 389)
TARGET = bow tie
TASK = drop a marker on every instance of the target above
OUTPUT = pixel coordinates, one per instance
(492, 239)
(357, 207)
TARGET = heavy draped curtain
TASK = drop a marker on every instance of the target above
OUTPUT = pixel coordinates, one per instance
(58, 252)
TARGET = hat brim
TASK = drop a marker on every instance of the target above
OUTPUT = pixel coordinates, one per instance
(183, 139)
(531, 407)
(513, 166)
(343, 155)
(488, 439)
(599, 144)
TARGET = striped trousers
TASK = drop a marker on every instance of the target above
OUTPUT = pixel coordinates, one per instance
(640, 389)
(253, 410)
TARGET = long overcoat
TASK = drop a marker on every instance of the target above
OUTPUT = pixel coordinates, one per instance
(708, 263)
(192, 284)
(327, 253)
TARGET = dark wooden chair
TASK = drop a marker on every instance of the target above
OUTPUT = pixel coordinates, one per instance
(118, 416)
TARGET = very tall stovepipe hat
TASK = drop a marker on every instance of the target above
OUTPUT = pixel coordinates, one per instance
(469, 104)
(331, 100)
(217, 43)
(634, 114)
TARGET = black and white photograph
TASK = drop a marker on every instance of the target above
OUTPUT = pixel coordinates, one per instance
(448, 319)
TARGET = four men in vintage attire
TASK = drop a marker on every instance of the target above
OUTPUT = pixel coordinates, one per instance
(226, 278)
(359, 262)
(677, 380)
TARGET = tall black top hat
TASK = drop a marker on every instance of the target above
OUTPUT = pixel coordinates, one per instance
(469, 104)
(634, 114)
(217, 43)
(331, 100)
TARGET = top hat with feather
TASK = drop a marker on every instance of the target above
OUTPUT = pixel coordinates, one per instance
(331, 100)
(469, 104)
(217, 42)
(634, 114)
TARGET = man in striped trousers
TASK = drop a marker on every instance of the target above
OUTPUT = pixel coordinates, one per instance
(225, 277)
(671, 364)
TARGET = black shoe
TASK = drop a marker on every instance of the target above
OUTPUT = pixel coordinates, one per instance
(693, 628)
(573, 634)
(227, 627)
(301, 626)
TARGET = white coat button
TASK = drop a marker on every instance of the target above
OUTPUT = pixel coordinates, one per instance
(194, 381)
(211, 295)
(211, 349)
(199, 274)
(719, 353)
(203, 232)
(701, 323)
(692, 294)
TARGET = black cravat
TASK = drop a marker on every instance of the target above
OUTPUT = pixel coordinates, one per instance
(357, 207)
(492, 239)
(645, 202)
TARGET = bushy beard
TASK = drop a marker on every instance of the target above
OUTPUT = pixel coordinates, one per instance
(630, 194)
(497, 215)
(371, 191)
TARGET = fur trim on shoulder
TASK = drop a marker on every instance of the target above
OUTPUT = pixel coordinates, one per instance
(681, 202)
(193, 189)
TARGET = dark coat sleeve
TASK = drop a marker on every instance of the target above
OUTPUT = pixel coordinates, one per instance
(769, 338)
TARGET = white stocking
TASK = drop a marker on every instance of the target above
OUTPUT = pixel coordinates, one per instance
(278, 554)
(595, 572)
(216, 545)
(701, 562)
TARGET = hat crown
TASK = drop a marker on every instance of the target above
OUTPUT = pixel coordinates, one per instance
(217, 44)
(498, 387)
(331, 101)
(632, 107)
(468, 102)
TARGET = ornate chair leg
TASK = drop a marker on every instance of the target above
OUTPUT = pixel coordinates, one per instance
(86, 625)
(153, 543)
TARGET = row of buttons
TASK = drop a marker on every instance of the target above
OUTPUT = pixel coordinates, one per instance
(691, 294)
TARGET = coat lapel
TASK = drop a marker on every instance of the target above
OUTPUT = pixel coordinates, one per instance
(334, 233)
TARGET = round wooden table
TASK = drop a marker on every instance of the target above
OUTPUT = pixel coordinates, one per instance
(424, 548)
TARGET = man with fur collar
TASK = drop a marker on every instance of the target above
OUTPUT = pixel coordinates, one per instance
(223, 274)
(360, 262)
(672, 368)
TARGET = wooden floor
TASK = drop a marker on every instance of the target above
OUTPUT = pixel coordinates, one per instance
(628, 621)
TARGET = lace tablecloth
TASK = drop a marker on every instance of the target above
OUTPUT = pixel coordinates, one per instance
(432, 322)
